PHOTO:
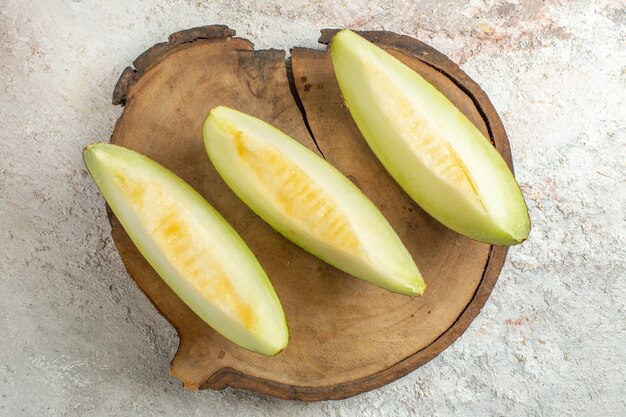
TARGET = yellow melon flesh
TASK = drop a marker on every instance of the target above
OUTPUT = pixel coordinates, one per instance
(433, 151)
(297, 195)
(307, 200)
(192, 248)
(424, 137)
(179, 240)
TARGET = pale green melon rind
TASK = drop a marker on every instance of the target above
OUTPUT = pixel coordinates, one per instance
(505, 221)
(390, 265)
(271, 334)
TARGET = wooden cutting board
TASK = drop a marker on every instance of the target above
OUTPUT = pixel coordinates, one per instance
(347, 336)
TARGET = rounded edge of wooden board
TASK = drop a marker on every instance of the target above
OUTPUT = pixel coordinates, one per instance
(229, 377)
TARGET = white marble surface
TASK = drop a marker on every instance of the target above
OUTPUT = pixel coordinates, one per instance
(78, 338)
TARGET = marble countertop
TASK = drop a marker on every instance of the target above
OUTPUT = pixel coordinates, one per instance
(79, 338)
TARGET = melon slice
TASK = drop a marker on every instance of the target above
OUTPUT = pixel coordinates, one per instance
(307, 200)
(190, 245)
(433, 151)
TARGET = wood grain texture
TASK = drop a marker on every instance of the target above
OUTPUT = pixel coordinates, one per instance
(347, 336)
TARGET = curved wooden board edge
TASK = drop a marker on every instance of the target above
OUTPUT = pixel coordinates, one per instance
(230, 377)
(158, 52)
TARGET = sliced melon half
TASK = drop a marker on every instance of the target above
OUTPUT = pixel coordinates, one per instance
(190, 245)
(307, 200)
(428, 146)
